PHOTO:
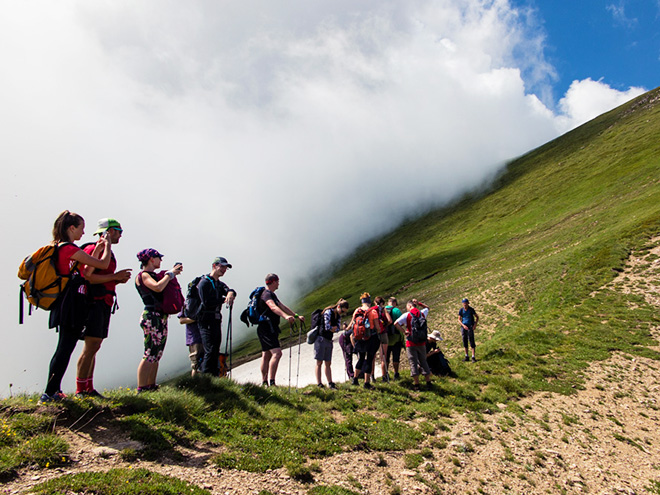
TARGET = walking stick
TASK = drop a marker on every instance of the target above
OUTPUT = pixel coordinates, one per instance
(300, 332)
(228, 341)
(291, 328)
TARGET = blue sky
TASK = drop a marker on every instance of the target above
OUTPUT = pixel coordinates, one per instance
(617, 41)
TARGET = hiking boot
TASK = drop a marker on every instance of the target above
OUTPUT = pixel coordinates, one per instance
(368, 386)
(429, 385)
(474, 359)
(332, 386)
(467, 358)
(355, 381)
(320, 385)
(272, 383)
(56, 397)
(386, 378)
(264, 383)
(415, 387)
(397, 376)
(89, 393)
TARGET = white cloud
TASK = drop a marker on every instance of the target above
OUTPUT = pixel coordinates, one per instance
(277, 134)
(618, 13)
(587, 99)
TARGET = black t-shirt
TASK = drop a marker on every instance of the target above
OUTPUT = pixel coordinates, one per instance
(268, 295)
(212, 293)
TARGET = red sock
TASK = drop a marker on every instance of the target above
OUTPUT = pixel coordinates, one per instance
(90, 384)
(81, 385)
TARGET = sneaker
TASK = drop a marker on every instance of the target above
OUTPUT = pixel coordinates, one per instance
(474, 359)
(332, 386)
(415, 387)
(368, 386)
(467, 358)
(429, 385)
(45, 398)
(397, 376)
(264, 383)
(386, 378)
(90, 393)
(272, 383)
(320, 385)
(355, 381)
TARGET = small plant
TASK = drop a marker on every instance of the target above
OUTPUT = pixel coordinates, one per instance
(412, 461)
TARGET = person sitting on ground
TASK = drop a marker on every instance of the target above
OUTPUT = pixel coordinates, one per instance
(437, 362)
(153, 320)
(323, 343)
(268, 329)
(468, 318)
(416, 350)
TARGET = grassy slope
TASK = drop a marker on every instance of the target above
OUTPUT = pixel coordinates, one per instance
(531, 254)
(554, 228)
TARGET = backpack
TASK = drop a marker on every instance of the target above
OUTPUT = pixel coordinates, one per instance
(193, 304)
(391, 329)
(43, 284)
(251, 314)
(172, 301)
(361, 327)
(418, 328)
(317, 326)
(71, 309)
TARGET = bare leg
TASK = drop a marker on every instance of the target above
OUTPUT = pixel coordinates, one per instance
(87, 359)
(265, 361)
(274, 362)
(318, 372)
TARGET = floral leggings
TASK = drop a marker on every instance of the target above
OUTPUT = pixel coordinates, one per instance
(154, 326)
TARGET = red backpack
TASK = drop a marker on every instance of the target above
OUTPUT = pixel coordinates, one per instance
(361, 329)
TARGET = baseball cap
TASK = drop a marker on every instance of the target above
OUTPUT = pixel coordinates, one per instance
(107, 223)
(465, 299)
(221, 261)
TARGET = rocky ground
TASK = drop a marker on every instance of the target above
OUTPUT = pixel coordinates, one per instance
(603, 439)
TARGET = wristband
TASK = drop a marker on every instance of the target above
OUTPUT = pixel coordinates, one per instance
(296, 315)
(171, 274)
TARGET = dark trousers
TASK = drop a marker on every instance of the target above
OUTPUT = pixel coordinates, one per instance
(347, 350)
(211, 333)
(66, 343)
(366, 351)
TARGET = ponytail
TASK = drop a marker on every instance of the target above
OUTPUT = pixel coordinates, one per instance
(64, 221)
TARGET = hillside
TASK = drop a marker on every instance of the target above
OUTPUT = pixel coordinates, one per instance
(560, 257)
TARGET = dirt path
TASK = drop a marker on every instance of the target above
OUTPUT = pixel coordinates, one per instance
(604, 439)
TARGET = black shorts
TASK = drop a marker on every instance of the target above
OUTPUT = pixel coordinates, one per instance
(98, 321)
(268, 336)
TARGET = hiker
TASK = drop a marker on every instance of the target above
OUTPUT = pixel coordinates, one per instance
(468, 318)
(395, 340)
(68, 228)
(102, 290)
(416, 337)
(365, 342)
(381, 322)
(153, 320)
(323, 343)
(347, 349)
(268, 328)
(193, 341)
(213, 293)
(434, 357)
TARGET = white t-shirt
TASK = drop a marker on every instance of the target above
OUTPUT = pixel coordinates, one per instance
(403, 319)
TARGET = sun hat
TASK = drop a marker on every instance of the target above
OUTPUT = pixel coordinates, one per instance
(107, 223)
(221, 261)
(146, 254)
(435, 335)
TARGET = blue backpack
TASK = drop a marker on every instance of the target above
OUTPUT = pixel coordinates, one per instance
(251, 314)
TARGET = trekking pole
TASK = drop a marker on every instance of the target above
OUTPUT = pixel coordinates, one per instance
(300, 332)
(291, 328)
(229, 342)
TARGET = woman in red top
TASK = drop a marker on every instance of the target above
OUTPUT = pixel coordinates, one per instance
(68, 228)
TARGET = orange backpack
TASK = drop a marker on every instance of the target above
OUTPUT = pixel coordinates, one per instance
(43, 284)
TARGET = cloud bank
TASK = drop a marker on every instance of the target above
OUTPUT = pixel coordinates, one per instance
(278, 135)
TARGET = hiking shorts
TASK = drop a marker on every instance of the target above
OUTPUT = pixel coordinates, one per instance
(154, 326)
(98, 321)
(384, 338)
(267, 337)
(468, 337)
(323, 349)
(417, 359)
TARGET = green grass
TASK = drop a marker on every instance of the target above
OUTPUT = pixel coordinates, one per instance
(118, 482)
